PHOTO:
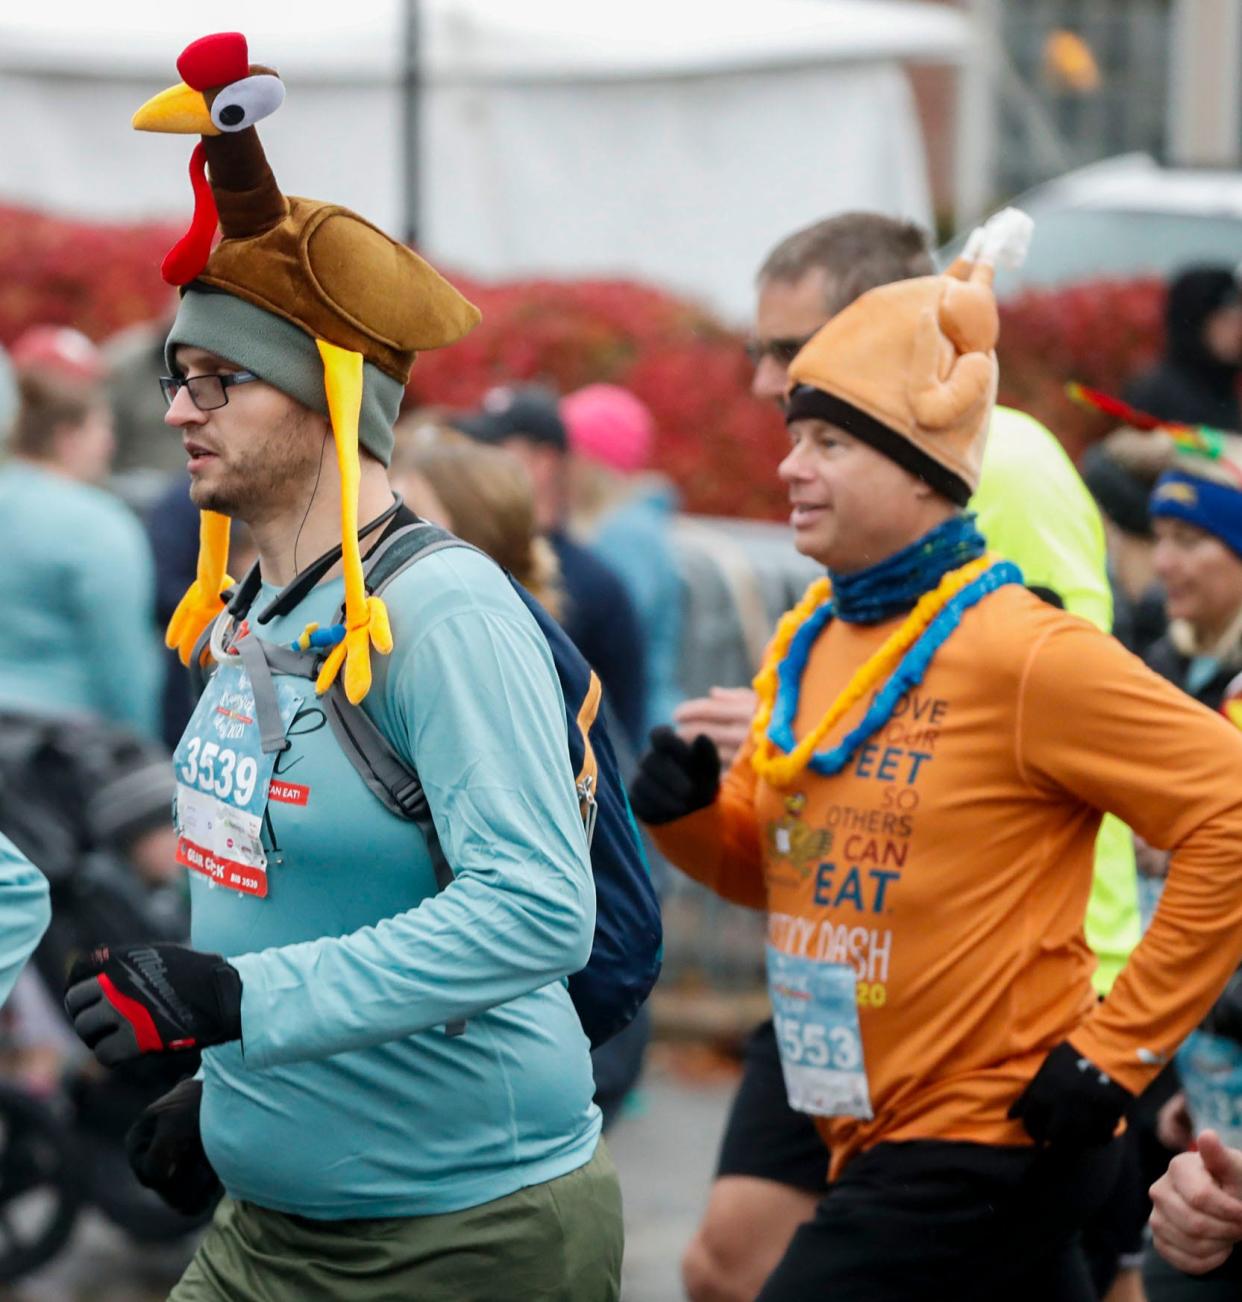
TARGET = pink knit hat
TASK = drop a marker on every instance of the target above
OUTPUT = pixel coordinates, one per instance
(610, 425)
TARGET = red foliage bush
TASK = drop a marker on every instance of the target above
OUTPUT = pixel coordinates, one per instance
(1101, 333)
(716, 442)
(99, 278)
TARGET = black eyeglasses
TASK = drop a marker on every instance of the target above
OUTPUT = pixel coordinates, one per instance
(207, 392)
(782, 351)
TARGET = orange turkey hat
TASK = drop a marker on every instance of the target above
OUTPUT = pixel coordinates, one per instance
(910, 367)
(319, 302)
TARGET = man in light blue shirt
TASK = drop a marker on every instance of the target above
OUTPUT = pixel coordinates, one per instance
(396, 1089)
(331, 1089)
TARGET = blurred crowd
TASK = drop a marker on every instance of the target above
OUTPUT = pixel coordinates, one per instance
(99, 540)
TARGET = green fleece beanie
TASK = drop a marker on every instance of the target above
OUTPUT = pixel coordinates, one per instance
(282, 355)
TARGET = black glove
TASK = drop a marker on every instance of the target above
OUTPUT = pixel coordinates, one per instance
(135, 999)
(675, 777)
(165, 1151)
(1070, 1101)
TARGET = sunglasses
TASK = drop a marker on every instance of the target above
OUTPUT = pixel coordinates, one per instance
(207, 392)
(781, 351)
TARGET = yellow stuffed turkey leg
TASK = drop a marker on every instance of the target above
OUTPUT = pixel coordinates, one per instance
(202, 603)
(366, 618)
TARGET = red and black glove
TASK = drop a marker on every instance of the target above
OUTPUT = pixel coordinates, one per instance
(675, 777)
(132, 1000)
(165, 1151)
(1070, 1102)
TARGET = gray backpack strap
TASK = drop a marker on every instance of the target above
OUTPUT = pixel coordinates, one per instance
(401, 549)
(403, 538)
(392, 781)
(387, 775)
(271, 728)
(198, 673)
(285, 660)
(395, 785)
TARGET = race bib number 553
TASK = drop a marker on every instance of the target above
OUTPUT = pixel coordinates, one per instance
(815, 1013)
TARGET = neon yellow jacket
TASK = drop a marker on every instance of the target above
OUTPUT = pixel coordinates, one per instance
(1057, 539)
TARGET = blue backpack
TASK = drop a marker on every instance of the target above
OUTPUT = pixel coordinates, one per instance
(627, 950)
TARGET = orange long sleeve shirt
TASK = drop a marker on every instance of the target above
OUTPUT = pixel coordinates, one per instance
(950, 862)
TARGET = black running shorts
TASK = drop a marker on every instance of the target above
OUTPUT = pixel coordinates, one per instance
(764, 1137)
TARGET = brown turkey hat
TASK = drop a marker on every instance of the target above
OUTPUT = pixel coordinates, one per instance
(320, 266)
(361, 303)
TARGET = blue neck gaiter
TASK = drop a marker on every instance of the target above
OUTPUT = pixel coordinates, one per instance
(895, 585)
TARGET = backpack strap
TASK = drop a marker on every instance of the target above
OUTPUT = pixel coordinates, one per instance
(386, 774)
(259, 671)
(398, 550)
(397, 786)
(237, 605)
(394, 783)
(198, 671)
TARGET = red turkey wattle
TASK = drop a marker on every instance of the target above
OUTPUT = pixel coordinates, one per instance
(187, 258)
(211, 61)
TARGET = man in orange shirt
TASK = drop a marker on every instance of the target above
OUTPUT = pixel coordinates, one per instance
(917, 809)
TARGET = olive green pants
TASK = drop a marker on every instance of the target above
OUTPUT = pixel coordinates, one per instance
(554, 1242)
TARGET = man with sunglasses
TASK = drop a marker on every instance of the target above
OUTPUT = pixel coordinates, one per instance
(1034, 509)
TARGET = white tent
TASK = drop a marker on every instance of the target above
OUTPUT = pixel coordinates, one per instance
(672, 140)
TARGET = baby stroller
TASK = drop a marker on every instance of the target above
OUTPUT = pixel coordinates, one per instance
(72, 794)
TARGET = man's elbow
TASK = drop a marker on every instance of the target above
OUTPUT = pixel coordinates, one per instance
(575, 928)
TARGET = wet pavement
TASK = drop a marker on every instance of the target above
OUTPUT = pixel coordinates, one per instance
(664, 1148)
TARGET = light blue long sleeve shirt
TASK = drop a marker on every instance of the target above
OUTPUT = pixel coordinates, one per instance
(346, 1097)
(77, 591)
(24, 912)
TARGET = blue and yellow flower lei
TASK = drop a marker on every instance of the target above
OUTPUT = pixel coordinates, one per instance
(778, 758)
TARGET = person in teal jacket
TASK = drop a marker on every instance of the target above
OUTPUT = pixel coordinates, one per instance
(396, 1090)
(77, 585)
(24, 913)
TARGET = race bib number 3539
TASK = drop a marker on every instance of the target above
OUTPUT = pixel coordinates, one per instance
(815, 1013)
(222, 783)
(219, 770)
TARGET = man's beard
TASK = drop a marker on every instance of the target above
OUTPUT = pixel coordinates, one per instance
(270, 474)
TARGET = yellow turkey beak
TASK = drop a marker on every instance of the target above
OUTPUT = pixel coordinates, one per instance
(179, 110)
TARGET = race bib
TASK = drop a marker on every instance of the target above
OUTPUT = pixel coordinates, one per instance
(223, 779)
(1211, 1070)
(815, 1012)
